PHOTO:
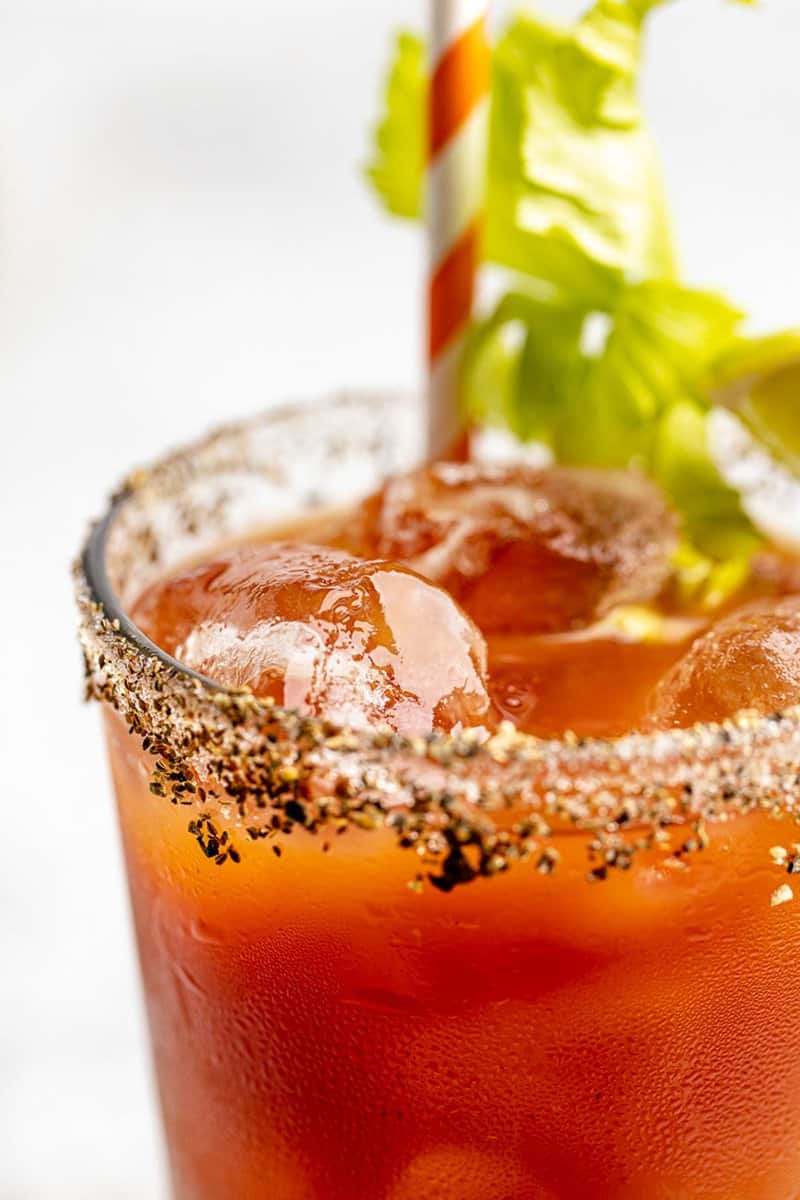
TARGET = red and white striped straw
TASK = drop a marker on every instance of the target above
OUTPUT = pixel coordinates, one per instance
(457, 121)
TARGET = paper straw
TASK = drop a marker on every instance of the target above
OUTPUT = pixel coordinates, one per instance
(457, 120)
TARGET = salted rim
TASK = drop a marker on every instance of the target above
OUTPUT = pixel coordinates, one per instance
(470, 804)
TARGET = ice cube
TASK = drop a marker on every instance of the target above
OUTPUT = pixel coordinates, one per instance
(523, 549)
(748, 660)
(361, 643)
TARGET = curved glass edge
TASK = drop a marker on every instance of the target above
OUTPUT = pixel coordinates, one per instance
(254, 751)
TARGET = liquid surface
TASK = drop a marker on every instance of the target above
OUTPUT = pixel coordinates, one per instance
(461, 595)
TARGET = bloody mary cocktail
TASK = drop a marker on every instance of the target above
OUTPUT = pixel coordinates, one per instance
(392, 946)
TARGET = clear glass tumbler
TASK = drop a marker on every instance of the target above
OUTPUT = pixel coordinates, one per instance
(380, 968)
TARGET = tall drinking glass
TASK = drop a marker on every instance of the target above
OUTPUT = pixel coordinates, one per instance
(380, 968)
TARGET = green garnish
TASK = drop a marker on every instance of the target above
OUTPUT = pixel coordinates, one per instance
(704, 582)
(597, 348)
(396, 171)
(759, 380)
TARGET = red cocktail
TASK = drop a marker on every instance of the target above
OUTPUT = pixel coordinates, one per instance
(392, 947)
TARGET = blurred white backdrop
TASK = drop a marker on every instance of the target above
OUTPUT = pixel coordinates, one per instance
(184, 237)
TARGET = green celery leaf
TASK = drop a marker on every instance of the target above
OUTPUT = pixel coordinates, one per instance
(759, 380)
(489, 369)
(574, 195)
(525, 366)
(519, 363)
(752, 356)
(398, 156)
(660, 341)
(708, 582)
(550, 370)
(682, 464)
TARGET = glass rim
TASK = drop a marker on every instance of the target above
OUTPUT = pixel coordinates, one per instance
(664, 777)
(92, 567)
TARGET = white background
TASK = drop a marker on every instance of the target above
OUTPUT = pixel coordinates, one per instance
(184, 237)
